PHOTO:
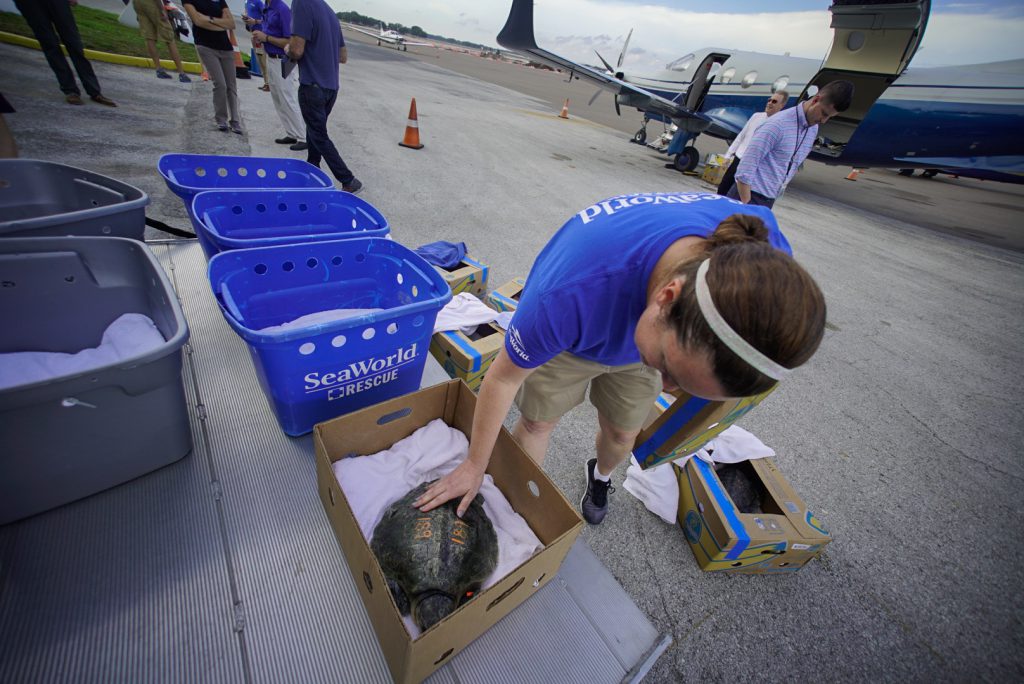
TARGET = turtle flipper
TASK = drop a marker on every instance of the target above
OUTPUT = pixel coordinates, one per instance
(401, 600)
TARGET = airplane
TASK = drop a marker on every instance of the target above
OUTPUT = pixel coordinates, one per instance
(390, 37)
(964, 118)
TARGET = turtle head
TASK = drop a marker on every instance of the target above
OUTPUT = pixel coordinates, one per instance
(431, 608)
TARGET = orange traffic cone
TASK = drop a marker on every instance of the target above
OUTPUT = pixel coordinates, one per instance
(206, 76)
(412, 129)
(853, 174)
(565, 110)
(241, 71)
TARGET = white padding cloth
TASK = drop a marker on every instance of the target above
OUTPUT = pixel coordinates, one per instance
(464, 311)
(129, 336)
(318, 318)
(658, 489)
(372, 483)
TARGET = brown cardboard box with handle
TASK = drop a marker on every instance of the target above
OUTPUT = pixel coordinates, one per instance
(551, 517)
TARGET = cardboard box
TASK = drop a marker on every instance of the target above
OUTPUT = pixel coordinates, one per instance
(506, 297)
(715, 167)
(468, 356)
(783, 538)
(686, 425)
(469, 276)
(553, 519)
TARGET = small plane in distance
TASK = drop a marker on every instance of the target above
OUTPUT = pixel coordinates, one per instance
(965, 118)
(390, 37)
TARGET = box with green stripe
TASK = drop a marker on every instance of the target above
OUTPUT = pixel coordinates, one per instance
(777, 536)
(468, 356)
(469, 275)
(506, 297)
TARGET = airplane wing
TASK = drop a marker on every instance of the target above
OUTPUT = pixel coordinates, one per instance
(375, 34)
(517, 34)
(410, 42)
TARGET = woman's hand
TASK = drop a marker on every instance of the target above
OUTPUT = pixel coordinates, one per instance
(464, 481)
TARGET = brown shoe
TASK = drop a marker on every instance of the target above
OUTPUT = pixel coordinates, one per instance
(265, 88)
(73, 98)
(104, 100)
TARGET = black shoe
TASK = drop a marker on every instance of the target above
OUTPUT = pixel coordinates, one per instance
(222, 127)
(298, 147)
(594, 504)
(287, 140)
(353, 186)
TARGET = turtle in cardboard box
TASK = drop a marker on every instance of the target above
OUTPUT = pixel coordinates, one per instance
(434, 561)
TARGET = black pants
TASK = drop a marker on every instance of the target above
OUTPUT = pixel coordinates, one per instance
(755, 197)
(729, 177)
(316, 104)
(52, 23)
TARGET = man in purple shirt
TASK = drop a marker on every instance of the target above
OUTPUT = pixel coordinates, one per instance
(275, 33)
(782, 143)
(318, 46)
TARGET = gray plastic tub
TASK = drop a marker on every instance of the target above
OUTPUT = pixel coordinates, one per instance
(40, 199)
(71, 436)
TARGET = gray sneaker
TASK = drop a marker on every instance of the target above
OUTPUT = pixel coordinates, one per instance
(594, 504)
(353, 186)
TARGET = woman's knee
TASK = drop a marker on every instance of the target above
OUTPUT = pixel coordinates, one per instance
(537, 427)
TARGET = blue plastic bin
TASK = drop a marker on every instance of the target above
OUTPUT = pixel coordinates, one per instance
(241, 219)
(189, 174)
(321, 371)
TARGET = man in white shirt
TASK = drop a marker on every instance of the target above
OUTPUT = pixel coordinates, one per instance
(775, 104)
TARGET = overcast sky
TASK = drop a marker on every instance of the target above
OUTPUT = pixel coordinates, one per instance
(963, 32)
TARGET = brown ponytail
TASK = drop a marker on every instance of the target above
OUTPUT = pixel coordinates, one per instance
(762, 293)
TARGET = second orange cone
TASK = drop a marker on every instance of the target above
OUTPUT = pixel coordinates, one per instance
(412, 129)
(565, 110)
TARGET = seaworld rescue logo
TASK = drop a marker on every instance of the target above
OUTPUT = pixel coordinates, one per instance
(617, 204)
(360, 375)
(517, 343)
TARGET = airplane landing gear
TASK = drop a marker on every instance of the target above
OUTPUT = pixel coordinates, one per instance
(929, 173)
(640, 137)
(906, 172)
(687, 160)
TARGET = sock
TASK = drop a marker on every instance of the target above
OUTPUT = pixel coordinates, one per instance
(599, 476)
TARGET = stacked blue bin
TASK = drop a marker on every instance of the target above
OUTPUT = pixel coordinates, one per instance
(242, 219)
(187, 175)
(322, 370)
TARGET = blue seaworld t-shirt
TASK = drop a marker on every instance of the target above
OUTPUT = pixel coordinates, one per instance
(588, 286)
(317, 23)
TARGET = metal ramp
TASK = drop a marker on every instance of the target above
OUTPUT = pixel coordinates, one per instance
(222, 567)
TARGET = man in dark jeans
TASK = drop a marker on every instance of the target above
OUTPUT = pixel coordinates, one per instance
(49, 19)
(317, 45)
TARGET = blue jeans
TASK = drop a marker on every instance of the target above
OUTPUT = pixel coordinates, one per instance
(316, 104)
(755, 197)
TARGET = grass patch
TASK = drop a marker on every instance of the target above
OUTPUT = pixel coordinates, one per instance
(101, 31)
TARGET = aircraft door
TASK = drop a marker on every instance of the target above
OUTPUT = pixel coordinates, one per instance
(703, 76)
(872, 44)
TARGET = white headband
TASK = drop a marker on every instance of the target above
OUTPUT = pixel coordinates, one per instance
(729, 337)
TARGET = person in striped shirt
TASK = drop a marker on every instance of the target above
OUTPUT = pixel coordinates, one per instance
(781, 144)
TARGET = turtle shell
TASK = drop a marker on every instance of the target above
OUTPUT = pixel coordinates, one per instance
(434, 561)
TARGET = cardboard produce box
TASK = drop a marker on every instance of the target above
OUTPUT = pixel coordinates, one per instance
(506, 297)
(784, 537)
(684, 426)
(715, 167)
(468, 357)
(551, 517)
(469, 276)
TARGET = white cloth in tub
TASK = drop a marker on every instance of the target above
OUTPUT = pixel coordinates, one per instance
(129, 336)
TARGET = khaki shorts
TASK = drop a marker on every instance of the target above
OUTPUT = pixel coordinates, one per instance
(623, 395)
(149, 21)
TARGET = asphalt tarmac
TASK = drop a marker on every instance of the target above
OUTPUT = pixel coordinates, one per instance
(977, 210)
(902, 434)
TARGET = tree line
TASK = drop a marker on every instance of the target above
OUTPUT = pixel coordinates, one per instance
(372, 22)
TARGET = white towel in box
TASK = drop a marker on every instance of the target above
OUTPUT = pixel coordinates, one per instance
(657, 487)
(372, 483)
(129, 336)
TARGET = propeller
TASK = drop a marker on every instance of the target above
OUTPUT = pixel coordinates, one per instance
(622, 55)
